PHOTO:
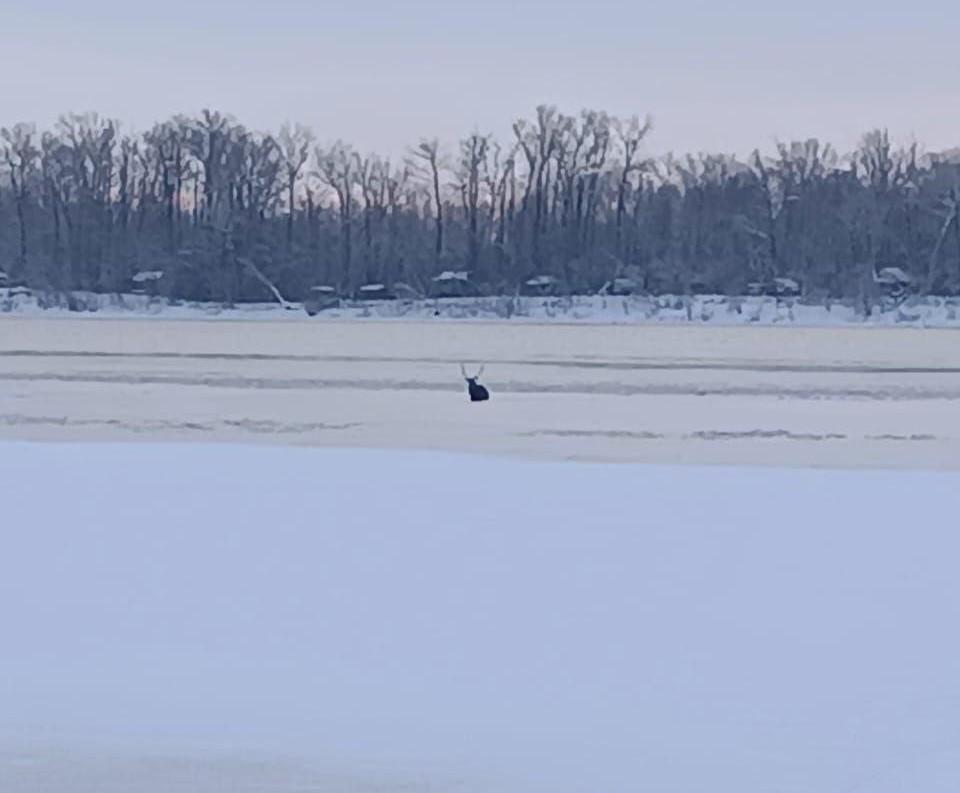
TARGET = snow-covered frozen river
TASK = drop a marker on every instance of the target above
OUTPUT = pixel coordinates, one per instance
(211, 618)
(205, 609)
(844, 397)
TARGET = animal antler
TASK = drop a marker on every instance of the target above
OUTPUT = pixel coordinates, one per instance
(479, 373)
(463, 370)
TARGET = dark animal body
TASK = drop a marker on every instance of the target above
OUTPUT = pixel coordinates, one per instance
(478, 393)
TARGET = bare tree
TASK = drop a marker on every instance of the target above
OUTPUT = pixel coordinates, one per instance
(949, 212)
(295, 144)
(219, 210)
(772, 191)
(336, 169)
(20, 152)
(472, 176)
(630, 135)
(428, 152)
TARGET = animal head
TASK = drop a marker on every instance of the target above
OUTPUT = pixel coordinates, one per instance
(471, 379)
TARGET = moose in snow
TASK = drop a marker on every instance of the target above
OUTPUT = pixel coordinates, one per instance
(478, 393)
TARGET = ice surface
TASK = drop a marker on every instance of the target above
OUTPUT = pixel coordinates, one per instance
(209, 618)
(745, 395)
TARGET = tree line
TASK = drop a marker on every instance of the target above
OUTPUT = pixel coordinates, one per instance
(227, 213)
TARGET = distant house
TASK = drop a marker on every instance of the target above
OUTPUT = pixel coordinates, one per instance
(146, 276)
(405, 291)
(374, 292)
(321, 297)
(892, 276)
(775, 287)
(621, 287)
(786, 287)
(145, 281)
(542, 285)
(14, 288)
(452, 283)
(894, 281)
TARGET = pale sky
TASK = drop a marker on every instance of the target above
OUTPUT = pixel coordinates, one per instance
(715, 76)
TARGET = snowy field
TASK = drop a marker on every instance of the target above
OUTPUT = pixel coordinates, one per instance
(206, 618)
(836, 397)
(215, 604)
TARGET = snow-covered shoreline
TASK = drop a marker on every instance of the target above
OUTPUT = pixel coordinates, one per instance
(718, 310)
